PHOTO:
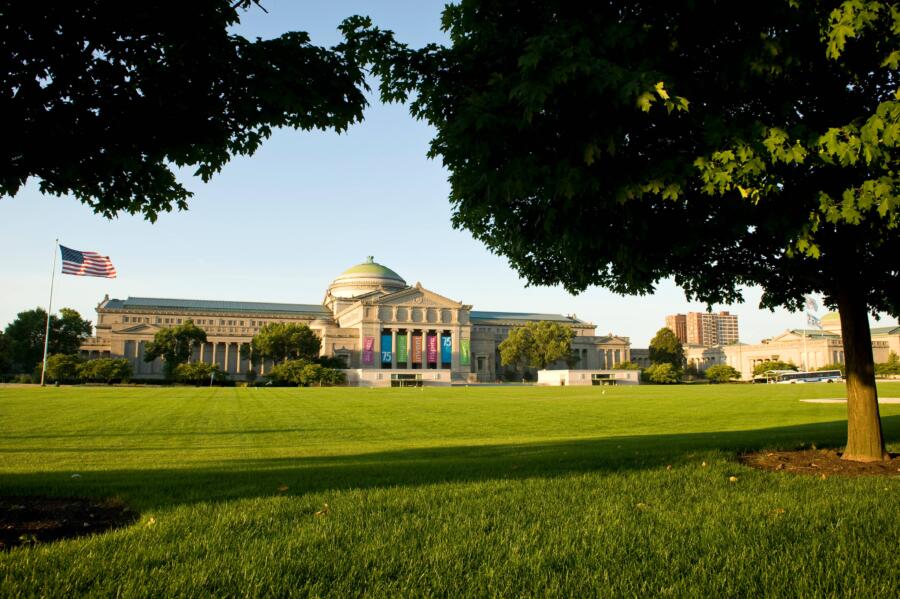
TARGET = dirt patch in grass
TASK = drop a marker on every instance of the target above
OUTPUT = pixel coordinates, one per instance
(819, 462)
(32, 520)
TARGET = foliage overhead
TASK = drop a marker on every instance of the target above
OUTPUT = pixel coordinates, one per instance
(280, 341)
(721, 144)
(24, 337)
(174, 345)
(101, 99)
(536, 345)
(666, 348)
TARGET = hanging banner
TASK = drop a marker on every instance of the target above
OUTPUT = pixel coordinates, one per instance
(368, 354)
(402, 354)
(446, 348)
(386, 350)
(432, 348)
(463, 352)
(417, 349)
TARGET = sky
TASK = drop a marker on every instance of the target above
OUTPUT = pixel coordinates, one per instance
(281, 225)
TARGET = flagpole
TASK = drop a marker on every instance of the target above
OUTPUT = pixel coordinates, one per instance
(49, 311)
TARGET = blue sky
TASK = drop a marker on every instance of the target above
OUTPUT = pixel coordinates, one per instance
(279, 226)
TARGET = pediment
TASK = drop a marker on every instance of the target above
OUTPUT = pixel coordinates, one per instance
(140, 329)
(417, 296)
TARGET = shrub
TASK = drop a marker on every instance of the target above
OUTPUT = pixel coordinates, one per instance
(762, 367)
(627, 366)
(304, 374)
(892, 366)
(662, 374)
(22, 379)
(198, 373)
(63, 368)
(722, 373)
(105, 370)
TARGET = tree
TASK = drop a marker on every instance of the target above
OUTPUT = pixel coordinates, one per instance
(25, 336)
(279, 341)
(835, 366)
(127, 94)
(537, 345)
(722, 373)
(662, 373)
(63, 368)
(763, 367)
(174, 345)
(4, 354)
(106, 370)
(627, 366)
(666, 348)
(719, 144)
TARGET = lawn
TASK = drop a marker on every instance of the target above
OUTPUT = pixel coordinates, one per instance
(451, 492)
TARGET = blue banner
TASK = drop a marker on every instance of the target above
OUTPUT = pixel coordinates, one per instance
(386, 349)
(446, 348)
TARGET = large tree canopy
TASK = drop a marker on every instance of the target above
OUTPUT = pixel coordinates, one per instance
(665, 348)
(100, 99)
(718, 143)
(175, 345)
(280, 341)
(536, 345)
(24, 337)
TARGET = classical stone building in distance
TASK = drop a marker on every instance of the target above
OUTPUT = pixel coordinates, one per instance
(380, 327)
(808, 349)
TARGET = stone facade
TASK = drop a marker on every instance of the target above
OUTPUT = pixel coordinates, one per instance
(369, 318)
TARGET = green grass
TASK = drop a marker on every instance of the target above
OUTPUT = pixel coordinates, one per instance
(451, 492)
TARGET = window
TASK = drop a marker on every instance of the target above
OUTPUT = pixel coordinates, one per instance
(124, 319)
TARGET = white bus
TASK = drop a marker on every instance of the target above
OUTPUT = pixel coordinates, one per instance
(820, 376)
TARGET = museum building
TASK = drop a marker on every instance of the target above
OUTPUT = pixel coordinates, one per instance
(380, 327)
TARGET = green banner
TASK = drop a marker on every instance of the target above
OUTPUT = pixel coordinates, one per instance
(402, 354)
(463, 352)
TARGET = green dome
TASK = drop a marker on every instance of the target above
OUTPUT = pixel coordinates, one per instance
(370, 268)
(364, 278)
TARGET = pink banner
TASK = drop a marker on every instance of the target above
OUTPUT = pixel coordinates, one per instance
(368, 354)
(432, 348)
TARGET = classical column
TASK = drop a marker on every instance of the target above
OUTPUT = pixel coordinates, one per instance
(225, 366)
(202, 356)
(237, 350)
(409, 349)
(214, 349)
(454, 349)
(394, 343)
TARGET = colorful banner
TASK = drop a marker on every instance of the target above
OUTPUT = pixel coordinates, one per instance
(368, 354)
(446, 348)
(432, 348)
(417, 349)
(402, 354)
(464, 352)
(386, 349)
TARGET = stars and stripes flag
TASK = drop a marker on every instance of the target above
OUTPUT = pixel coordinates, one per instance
(86, 264)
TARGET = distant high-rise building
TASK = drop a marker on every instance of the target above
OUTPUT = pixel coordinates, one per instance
(678, 324)
(704, 328)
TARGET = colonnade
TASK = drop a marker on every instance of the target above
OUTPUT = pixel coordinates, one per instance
(413, 336)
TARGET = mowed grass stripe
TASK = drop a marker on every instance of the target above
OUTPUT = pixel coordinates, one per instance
(454, 492)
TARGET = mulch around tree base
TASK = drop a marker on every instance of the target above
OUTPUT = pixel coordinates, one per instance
(33, 520)
(819, 462)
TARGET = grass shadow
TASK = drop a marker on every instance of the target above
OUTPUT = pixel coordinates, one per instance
(248, 478)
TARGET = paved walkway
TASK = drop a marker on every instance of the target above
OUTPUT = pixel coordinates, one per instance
(843, 400)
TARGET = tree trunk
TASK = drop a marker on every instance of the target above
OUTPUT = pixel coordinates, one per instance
(865, 442)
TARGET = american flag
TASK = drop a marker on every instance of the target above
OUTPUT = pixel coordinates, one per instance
(86, 264)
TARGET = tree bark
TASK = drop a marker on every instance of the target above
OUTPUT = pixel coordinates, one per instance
(865, 442)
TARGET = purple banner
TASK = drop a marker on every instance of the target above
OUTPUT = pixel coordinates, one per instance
(432, 348)
(368, 354)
